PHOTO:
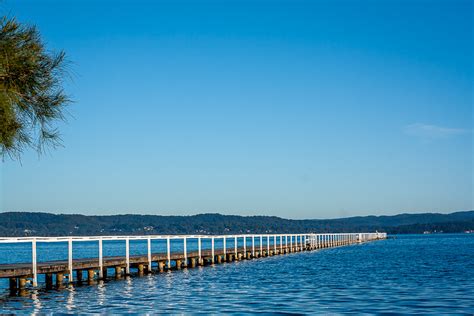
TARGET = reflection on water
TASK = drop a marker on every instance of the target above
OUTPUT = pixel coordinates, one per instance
(409, 274)
(70, 299)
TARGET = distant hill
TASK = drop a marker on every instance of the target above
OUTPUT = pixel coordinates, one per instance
(46, 224)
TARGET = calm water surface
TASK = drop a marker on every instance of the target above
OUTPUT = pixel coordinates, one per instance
(429, 274)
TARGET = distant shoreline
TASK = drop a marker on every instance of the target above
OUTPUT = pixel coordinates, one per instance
(15, 224)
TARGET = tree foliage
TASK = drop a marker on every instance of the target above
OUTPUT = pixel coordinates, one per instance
(32, 99)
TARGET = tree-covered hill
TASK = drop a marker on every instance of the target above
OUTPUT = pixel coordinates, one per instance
(46, 224)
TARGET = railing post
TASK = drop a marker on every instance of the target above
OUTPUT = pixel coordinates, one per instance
(127, 253)
(199, 249)
(281, 244)
(185, 250)
(224, 246)
(101, 259)
(69, 261)
(34, 262)
(168, 251)
(235, 246)
(274, 244)
(149, 253)
(261, 245)
(245, 246)
(212, 251)
(253, 246)
(268, 245)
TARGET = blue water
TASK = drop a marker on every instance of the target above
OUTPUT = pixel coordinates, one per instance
(428, 274)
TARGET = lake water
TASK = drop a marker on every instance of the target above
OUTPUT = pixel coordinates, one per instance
(426, 274)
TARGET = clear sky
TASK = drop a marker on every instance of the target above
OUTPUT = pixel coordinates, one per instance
(299, 109)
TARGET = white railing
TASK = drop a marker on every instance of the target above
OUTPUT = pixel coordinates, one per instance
(298, 241)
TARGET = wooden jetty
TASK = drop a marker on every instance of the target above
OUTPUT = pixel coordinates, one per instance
(232, 248)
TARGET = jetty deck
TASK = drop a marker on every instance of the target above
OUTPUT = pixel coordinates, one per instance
(233, 248)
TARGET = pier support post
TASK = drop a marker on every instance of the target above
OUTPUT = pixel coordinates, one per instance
(59, 280)
(178, 264)
(161, 266)
(141, 269)
(118, 272)
(22, 283)
(13, 285)
(104, 273)
(49, 281)
(193, 262)
(78, 276)
(90, 276)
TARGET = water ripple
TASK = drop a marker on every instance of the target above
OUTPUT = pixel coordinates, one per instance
(409, 274)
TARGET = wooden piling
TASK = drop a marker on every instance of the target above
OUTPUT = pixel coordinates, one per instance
(79, 276)
(21, 283)
(49, 280)
(59, 279)
(141, 269)
(161, 266)
(90, 276)
(104, 273)
(118, 272)
(13, 285)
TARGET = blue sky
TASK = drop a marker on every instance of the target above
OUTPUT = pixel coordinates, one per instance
(299, 109)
